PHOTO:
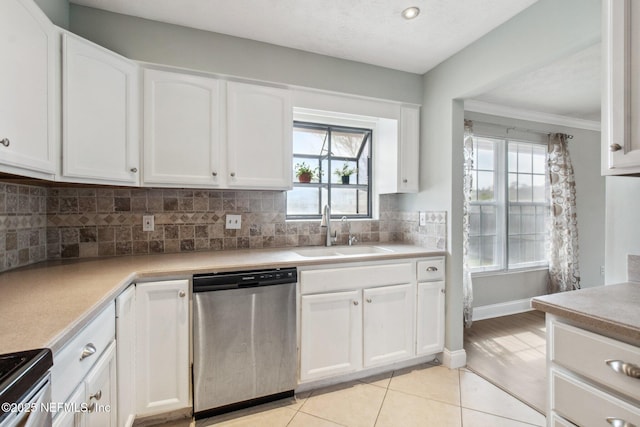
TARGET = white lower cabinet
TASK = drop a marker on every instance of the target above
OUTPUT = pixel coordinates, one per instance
(360, 316)
(93, 403)
(162, 369)
(388, 324)
(126, 354)
(590, 378)
(331, 326)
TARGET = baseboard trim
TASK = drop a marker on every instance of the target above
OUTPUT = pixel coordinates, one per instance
(454, 359)
(502, 309)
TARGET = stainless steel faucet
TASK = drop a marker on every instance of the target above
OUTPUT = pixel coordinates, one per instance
(352, 239)
(326, 222)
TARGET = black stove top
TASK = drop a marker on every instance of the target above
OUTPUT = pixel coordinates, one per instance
(20, 371)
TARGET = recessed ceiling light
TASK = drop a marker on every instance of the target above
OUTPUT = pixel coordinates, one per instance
(410, 12)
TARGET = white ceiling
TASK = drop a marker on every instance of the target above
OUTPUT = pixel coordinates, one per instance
(568, 87)
(369, 31)
(373, 32)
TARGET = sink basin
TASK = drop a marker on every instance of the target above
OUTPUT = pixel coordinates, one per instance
(361, 250)
(322, 251)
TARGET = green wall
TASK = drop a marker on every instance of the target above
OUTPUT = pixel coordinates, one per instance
(157, 42)
(56, 10)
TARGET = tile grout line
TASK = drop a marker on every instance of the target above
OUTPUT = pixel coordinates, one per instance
(386, 391)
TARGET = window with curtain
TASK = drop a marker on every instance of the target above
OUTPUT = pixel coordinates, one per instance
(339, 161)
(509, 205)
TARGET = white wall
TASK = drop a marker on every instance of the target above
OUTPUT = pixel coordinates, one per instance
(544, 32)
(622, 226)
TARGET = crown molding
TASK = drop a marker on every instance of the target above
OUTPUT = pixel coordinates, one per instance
(532, 116)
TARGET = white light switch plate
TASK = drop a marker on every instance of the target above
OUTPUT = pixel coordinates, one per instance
(234, 222)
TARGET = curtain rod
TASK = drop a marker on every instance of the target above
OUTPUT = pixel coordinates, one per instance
(534, 131)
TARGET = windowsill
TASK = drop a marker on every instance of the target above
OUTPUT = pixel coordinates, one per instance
(507, 272)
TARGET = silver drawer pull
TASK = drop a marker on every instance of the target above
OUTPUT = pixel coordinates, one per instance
(97, 395)
(615, 147)
(87, 351)
(134, 170)
(91, 407)
(355, 303)
(182, 294)
(432, 269)
(5, 142)
(369, 300)
(618, 422)
(628, 369)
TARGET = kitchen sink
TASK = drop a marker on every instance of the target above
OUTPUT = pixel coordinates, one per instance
(332, 251)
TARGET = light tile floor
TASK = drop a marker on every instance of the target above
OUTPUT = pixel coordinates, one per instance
(426, 395)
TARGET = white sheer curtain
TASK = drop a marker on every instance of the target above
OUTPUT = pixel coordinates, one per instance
(467, 290)
(564, 268)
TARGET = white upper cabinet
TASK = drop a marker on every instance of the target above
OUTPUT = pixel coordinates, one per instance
(29, 91)
(621, 91)
(259, 136)
(397, 152)
(100, 114)
(181, 130)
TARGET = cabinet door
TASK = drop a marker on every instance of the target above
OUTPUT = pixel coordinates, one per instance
(181, 129)
(330, 334)
(259, 137)
(100, 391)
(388, 326)
(162, 354)
(126, 353)
(72, 418)
(100, 114)
(621, 97)
(28, 90)
(409, 145)
(430, 325)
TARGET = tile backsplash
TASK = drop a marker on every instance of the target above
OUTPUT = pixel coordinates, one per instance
(39, 223)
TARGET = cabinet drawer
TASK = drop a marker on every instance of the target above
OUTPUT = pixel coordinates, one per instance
(586, 353)
(69, 367)
(336, 279)
(431, 269)
(584, 405)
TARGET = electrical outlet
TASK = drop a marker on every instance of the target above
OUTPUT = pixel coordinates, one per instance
(423, 218)
(148, 223)
(234, 222)
(602, 270)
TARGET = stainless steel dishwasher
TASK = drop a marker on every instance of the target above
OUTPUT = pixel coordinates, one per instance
(244, 339)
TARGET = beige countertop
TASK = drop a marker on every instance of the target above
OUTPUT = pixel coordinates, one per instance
(612, 310)
(45, 304)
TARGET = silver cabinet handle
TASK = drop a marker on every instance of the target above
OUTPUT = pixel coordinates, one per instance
(97, 395)
(5, 142)
(87, 351)
(355, 303)
(619, 422)
(91, 407)
(182, 294)
(233, 174)
(615, 147)
(214, 173)
(134, 170)
(628, 369)
(369, 300)
(405, 180)
(432, 269)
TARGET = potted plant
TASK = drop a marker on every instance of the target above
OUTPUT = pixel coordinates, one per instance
(345, 173)
(304, 173)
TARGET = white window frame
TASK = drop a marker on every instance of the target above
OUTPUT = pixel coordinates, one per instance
(501, 187)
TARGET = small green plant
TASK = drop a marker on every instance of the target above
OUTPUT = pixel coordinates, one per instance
(305, 173)
(345, 171)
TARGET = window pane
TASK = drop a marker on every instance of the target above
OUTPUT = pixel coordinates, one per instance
(303, 201)
(347, 144)
(525, 190)
(539, 188)
(524, 158)
(474, 220)
(485, 186)
(339, 167)
(488, 248)
(488, 220)
(344, 201)
(513, 186)
(512, 158)
(310, 141)
(514, 250)
(539, 159)
(528, 219)
(485, 153)
(312, 163)
(474, 251)
(514, 220)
